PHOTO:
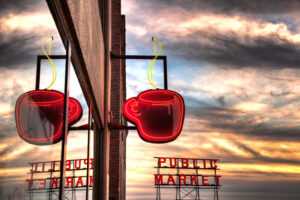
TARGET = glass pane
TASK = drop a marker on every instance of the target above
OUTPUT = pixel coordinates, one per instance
(31, 121)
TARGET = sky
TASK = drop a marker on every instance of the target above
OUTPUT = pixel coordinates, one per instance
(235, 63)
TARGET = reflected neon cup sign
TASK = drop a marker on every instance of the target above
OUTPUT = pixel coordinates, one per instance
(39, 116)
(158, 114)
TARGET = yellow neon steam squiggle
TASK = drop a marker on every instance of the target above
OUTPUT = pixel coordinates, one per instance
(54, 72)
(150, 69)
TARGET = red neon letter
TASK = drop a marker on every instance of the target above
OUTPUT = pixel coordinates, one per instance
(69, 181)
(34, 167)
(204, 163)
(53, 182)
(68, 164)
(79, 181)
(161, 160)
(171, 179)
(182, 177)
(195, 164)
(185, 162)
(91, 181)
(29, 183)
(42, 184)
(43, 166)
(204, 179)
(218, 180)
(194, 179)
(53, 167)
(211, 163)
(91, 162)
(158, 180)
(171, 163)
(79, 161)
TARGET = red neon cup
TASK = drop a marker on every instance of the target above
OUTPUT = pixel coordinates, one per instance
(158, 114)
(39, 116)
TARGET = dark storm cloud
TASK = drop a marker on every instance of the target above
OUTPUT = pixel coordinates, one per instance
(223, 48)
(20, 50)
(264, 189)
(18, 47)
(18, 6)
(232, 121)
(17, 50)
(230, 51)
(230, 6)
(254, 6)
(257, 157)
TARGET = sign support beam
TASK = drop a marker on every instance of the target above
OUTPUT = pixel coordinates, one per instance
(146, 57)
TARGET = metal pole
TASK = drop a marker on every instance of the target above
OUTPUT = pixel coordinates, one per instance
(88, 153)
(65, 125)
(216, 196)
(165, 73)
(30, 183)
(38, 73)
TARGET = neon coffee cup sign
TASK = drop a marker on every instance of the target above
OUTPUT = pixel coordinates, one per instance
(158, 114)
(39, 116)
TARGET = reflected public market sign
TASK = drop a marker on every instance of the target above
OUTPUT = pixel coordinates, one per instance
(77, 167)
(186, 172)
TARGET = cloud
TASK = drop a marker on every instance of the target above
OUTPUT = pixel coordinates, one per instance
(234, 41)
(236, 65)
(227, 120)
(18, 6)
(229, 51)
(252, 6)
(227, 7)
(21, 34)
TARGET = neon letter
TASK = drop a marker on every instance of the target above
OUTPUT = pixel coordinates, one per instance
(185, 162)
(171, 179)
(158, 180)
(182, 177)
(171, 163)
(194, 179)
(161, 160)
(204, 179)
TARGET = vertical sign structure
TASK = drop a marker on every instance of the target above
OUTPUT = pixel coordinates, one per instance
(187, 176)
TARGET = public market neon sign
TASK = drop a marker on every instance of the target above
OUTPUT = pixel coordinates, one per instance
(51, 182)
(193, 178)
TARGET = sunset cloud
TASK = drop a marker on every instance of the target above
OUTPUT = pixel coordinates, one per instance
(236, 64)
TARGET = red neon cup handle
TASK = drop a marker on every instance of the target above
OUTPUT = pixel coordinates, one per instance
(131, 109)
(134, 108)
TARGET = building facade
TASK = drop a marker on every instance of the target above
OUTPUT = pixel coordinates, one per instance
(95, 29)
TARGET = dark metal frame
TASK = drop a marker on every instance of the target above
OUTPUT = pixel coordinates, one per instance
(38, 68)
(113, 126)
(67, 57)
(146, 57)
(66, 127)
